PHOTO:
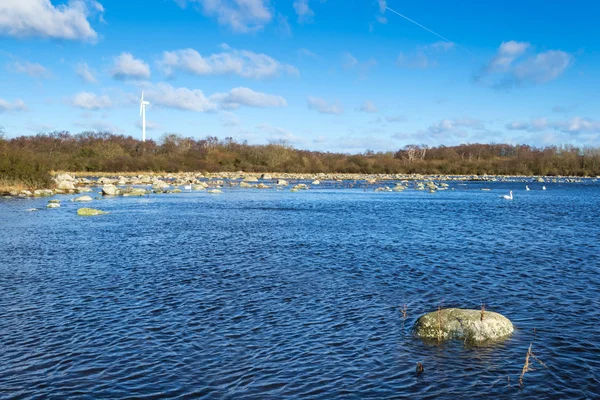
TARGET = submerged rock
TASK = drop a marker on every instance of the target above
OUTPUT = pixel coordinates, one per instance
(83, 198)
(53, 205)
(89, 212)
(464, 324)
(215, 191)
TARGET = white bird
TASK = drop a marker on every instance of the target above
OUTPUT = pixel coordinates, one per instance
(188, 187)
(508, 197)
(543, 187)
(143, 105)
(527, 188)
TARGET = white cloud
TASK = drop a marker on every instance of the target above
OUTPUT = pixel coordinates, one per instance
(127, 67)
(416, 61)
(283, 26)
(98, 126)
(6, 106)
(447, 125)
(34, 70)
(162, 94)
(575, 125)
(512, 66)
(422, 57)
(243, 96)
(229, 120)
(278, 134)
(349, 62)
(241, 16)
(85, 73)
(91, 101)
(307, 53)
(320, 105)
(243, 63)
(441, 46)
(368, 107)
(382, 5)
(27, 18)
(150, 125)
(303, 11)
(395, 118)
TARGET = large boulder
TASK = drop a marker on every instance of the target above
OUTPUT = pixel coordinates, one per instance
(464, 324)
(64, 177)
(110, 190)
(281, 182)
(250, 179)
(65, 185)
(53, 205)
(245, 185)
(90, 212)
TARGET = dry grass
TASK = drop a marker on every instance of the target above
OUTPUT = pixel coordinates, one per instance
(482, 310)
(404, 310)
(527, 366)
(7, 186)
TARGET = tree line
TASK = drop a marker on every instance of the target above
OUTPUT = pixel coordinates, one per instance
(30, 157)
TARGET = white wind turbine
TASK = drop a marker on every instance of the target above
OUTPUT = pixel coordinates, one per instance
(143, 105)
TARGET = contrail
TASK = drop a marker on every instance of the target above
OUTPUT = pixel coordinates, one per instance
(435, 33)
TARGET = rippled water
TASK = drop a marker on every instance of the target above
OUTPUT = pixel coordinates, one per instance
(272, 294)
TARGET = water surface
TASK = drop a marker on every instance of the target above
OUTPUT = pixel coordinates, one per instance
(271, 294)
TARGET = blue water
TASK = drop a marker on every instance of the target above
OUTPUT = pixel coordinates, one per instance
(260, 294)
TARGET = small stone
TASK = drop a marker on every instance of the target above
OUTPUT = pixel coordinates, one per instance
(88, 212)
(83, 198)
(53, 205)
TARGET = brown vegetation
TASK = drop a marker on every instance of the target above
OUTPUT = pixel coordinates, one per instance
(26, 159)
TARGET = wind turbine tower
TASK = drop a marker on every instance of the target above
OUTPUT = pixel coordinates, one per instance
(143, 105)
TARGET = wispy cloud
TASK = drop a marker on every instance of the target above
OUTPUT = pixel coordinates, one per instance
(17, 105)
(34, 70)
(303, 10)
(573, 125)
(515, 65)
(424, 57)
(85, 73)
(322, 106)
(243, 63)
(27, 18)
(242, 16)
(368, 107)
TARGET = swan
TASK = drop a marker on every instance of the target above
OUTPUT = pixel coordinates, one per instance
(508, 197)
(188, 187)
(527, 188)
(543, 187)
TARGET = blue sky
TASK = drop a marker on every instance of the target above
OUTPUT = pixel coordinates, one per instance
(325, 75)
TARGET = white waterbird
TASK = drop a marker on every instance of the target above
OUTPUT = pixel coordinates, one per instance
(508, 196)
(543, 187)
(527, 188)
(143, 105)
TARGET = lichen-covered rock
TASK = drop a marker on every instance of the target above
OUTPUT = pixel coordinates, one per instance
(135, 192)
(250, 179)
(65, 185)
(464, 324)
(215, 191)
(245, 185)
(110, 190)
(89, 212)
(43, 193)
(53, 205)
(83, 198)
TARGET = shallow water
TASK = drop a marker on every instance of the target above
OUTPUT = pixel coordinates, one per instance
(272, 294)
